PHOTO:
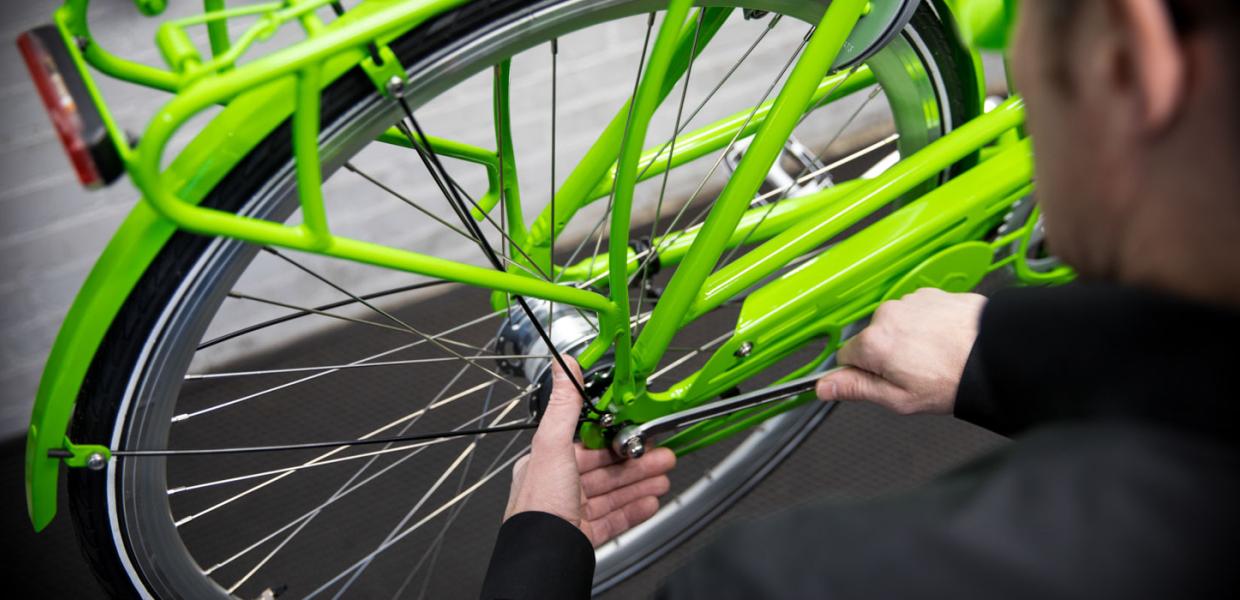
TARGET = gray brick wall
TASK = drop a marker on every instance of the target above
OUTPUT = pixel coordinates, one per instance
(51, 231)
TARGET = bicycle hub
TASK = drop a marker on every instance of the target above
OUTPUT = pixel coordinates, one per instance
(570, 330)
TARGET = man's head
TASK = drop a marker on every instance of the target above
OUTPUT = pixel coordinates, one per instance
(1133, 111)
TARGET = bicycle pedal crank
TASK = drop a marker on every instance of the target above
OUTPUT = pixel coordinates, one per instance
(633, 440)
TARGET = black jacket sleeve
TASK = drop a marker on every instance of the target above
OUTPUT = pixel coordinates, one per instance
(1090, 351)
(539, 556)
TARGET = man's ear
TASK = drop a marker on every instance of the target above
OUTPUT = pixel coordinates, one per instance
(1158, 61)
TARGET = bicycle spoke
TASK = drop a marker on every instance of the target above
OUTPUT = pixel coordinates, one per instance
(390, 363)
(435, 513)
(406, 200)
(299, 314)
(701, 105)
(668, 237)
(437, 544)
(412, 417)
(462, 457)
(472, 226)
(393, 318)
(555, 77)
(469, 449)
(410, 421)
(243, 296)
(680, 108)
(460, 484)
(682, 360)
(186, 416)
(628, 120)
(344, 490)
(840, 132)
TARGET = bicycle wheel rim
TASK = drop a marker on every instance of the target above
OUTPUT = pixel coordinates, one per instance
(165, 352)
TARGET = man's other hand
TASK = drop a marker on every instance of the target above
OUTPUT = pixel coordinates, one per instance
(594, 490)
(911, 356)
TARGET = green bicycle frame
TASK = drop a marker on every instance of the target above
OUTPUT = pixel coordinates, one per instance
(928, 237)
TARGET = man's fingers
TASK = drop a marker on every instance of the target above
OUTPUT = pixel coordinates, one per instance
(851, 383)
(605, 479)
(559, 419)
(619, 521)
(589, 460)
(599, 506)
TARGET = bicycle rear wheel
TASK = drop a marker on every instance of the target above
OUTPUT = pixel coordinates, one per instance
(392, 521)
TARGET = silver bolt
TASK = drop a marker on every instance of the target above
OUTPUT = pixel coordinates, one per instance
(745, 349)
(634, 447)
(607, 420)
(396, 86)
(96, 461)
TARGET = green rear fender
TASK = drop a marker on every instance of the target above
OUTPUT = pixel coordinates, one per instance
(126, 257)
(228, 138)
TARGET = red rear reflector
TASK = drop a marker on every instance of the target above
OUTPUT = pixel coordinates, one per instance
(68, 103)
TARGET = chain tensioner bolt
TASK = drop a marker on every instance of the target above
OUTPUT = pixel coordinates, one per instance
(744, 350)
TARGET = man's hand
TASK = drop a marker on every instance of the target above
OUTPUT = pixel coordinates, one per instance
(912, 355)
(592, 489)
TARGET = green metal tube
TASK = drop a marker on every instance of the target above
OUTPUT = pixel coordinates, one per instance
(510, 190)
(701, 142)
(306, 151)
(646, 101)
(758, 224)
(816, 60)
(575, 192)
(217, 30)
(807, 235)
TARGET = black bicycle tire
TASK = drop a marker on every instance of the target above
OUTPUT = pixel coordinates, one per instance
(98, 400)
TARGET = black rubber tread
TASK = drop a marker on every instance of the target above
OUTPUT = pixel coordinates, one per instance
(106, 380)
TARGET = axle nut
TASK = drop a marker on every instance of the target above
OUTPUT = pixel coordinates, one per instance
(634, 448)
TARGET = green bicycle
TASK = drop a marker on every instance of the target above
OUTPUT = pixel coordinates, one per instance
(203, 463)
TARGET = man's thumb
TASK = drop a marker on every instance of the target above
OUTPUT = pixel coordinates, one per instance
(559, 419)
(851, 383)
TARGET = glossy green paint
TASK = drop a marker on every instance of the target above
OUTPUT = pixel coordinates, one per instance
(249, 117)
(899, 180)
(768, 143)
(756, 225)
(985, 23)
(646, 100)
(444, 147)
(263, 93)
(716, 136)
(847, 281)
(959, 268)
(576, 191)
